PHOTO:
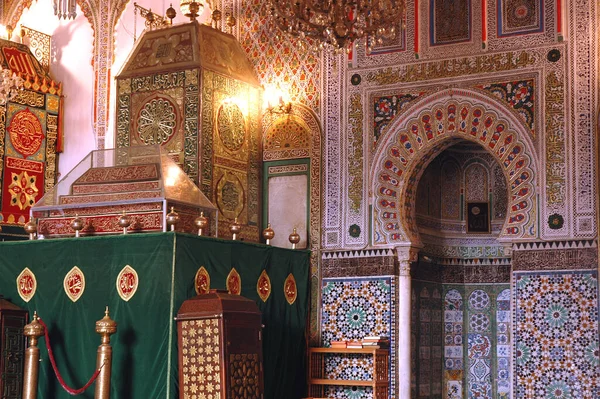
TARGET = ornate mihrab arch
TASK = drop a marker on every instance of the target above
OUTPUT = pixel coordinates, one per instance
(433, 124)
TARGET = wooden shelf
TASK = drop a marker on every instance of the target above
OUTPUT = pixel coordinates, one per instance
(380, 370)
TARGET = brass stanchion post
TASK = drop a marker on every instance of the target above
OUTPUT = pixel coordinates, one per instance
(105, 327)
(32, 331)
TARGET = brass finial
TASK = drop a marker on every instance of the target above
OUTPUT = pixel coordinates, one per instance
(191, 8)
(235, 228)
(172, 218)
(77, 224)
(171, 13)
(201, 223)
(230, 21)
(30, 228)
(149, 19)
(268, 234)
(216, 18)
(124, 222)
(294, 238)
(106, 327)
(33, 330)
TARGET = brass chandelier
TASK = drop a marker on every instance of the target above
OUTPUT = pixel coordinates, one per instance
(337, 24)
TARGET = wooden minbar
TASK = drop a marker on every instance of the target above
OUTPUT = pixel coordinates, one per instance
(12, 349)
(220, 347)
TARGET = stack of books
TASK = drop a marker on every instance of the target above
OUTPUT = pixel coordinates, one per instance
(354, 345)
(338, 344)
(379, 341)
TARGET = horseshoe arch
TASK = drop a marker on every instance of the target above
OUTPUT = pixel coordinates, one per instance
(430, 126)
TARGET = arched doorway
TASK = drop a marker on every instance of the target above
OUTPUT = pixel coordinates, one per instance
(432, 125)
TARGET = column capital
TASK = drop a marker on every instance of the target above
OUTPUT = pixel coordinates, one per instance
(406, 255)
(404, 268)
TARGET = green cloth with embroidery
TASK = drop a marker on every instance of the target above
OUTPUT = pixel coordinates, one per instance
(145, 345)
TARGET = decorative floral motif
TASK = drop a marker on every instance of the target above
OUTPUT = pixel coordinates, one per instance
(127, 283)
(234, 282)
(26, 284)
(386, 108)
(26, 133)
(157, 121)
(23, 190)
(556, 221)
(200, 358)
(558, 390)
(553, 55)
(263, 286)
(231, 126)
(290, 289)
(286, 134)
(556, 315)
(354, 231)
(479, 299)
(74, 284)
(519, 95)
(202, 281)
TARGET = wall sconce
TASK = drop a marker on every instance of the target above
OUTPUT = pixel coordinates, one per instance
(5, 32)
(275, 102)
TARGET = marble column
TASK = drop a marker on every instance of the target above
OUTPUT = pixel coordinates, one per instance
(406, 255)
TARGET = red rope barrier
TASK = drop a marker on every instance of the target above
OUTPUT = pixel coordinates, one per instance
(62, 382)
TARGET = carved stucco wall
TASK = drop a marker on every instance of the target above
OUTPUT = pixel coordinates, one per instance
(530, 74)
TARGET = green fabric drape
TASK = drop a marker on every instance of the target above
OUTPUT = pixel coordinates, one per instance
(145, 347)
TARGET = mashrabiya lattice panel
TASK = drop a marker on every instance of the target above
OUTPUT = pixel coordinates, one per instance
(556, 330)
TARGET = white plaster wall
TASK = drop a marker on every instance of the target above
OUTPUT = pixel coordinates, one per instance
(71, 65)
(288, 209)
(127, 27)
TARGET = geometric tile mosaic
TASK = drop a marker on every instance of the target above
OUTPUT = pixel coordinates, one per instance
(477, 341)
(427, 334)
(556, 334)
(349, 392)
(353, 308)
(453, 342)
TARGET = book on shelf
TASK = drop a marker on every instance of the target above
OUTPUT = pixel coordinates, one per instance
(376, 341)
(377, 338)
(338, 344)
(354, 345)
